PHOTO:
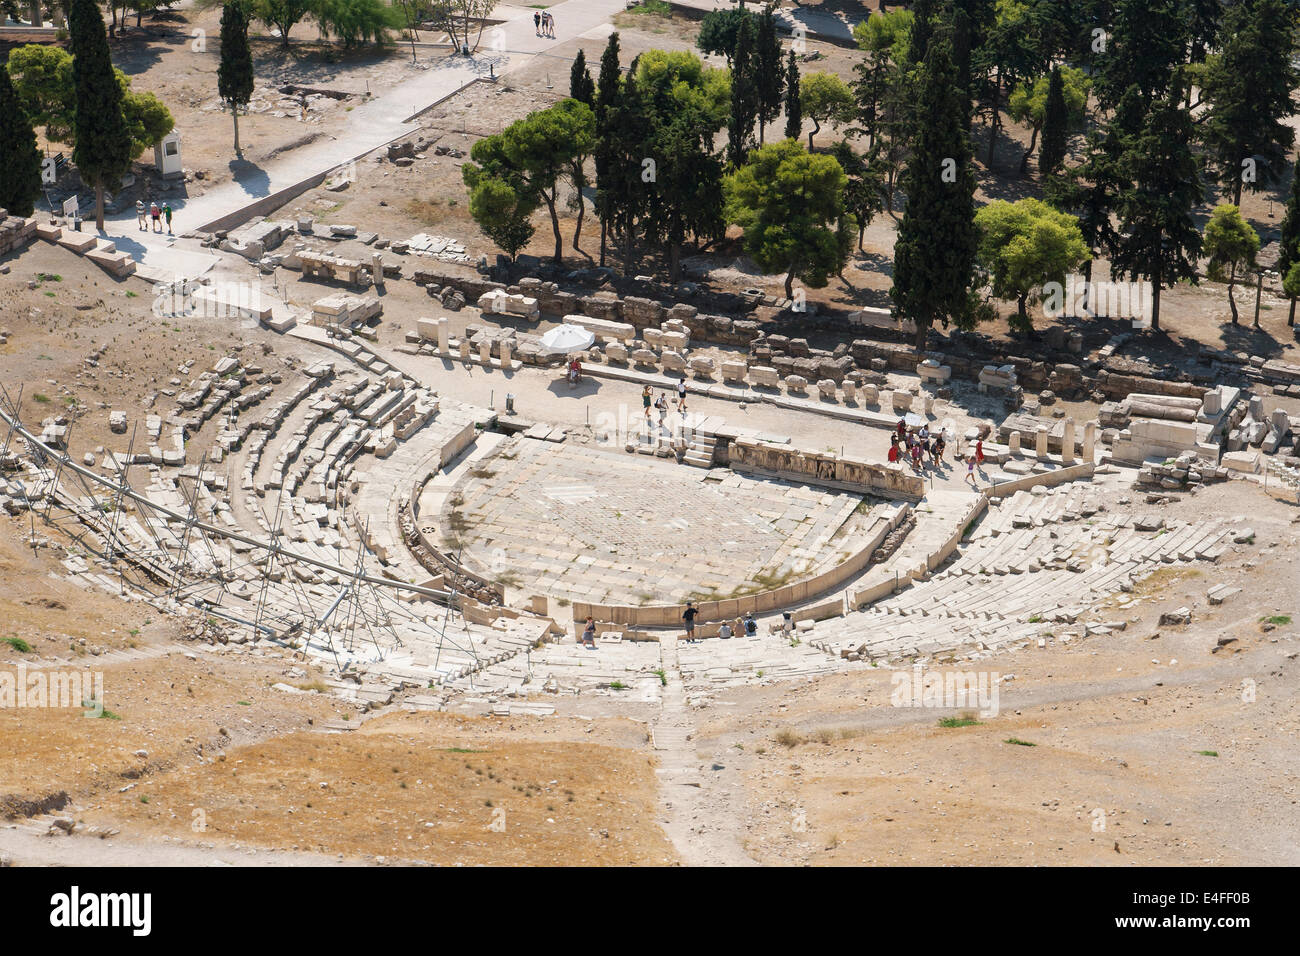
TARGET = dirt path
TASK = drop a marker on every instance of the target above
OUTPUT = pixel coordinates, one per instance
(687, 792)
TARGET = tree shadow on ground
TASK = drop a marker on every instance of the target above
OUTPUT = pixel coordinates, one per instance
(1246, 338)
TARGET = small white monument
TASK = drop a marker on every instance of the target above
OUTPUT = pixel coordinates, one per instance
(167, 155)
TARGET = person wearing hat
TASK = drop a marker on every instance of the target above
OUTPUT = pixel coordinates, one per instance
(139, 215)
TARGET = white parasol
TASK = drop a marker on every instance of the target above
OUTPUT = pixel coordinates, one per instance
(568, 338)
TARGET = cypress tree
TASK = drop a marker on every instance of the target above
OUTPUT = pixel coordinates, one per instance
(235, 74)
(1159, 240)
(924, 16)
(1289, 240)
(1055, 120)
(608, 96)
(793, 108)
(1248, 87)
(581, 86)
(103, 142)
(744, 96)
(629, 197)
(769, 78)
(20, 161)
(934, 256)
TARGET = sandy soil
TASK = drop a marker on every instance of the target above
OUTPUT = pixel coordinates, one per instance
(1117, 773)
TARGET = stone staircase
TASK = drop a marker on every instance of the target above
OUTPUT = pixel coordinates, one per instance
(701, 451)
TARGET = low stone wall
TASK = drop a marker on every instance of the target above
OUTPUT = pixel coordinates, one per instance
(824, 468)
(1047, 480)
(670, 615)
(1118, 387)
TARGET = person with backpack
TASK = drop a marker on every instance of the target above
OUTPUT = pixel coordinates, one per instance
(688, 617)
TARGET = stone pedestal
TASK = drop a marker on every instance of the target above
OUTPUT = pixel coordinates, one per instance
(1212, 403)
(1040, 445)
(485, 352)
(444, 347)
(1067, 442)
(1090, 441)
(377, 269)
(1013, 444)
(505, 354)
(850, 390)
(464, 350)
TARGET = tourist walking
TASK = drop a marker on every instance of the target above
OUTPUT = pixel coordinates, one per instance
(681, 395)
(550, 25)
(646, 398)
(661, 403)
(156, 215)
(979, 452)
(537, 22)
(588, 638)
(970, 470)
(688, 617)
(167, 214)
(139, 215)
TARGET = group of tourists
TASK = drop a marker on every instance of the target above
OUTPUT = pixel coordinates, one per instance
(742, 625)
(154, 213)
(917, 447)
(544, 24)
(660, 404)
(746, 625)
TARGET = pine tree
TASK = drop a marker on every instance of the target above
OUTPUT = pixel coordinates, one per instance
(1147, 41)
(1289, 239)
(103, 141)
(1248, 87)
(768, 75)
(793, 109)
(581, 86)
(1159, 241)
(1055, 126)
(744, 96)
(934, 256)
(235, 73)
(20, 160)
